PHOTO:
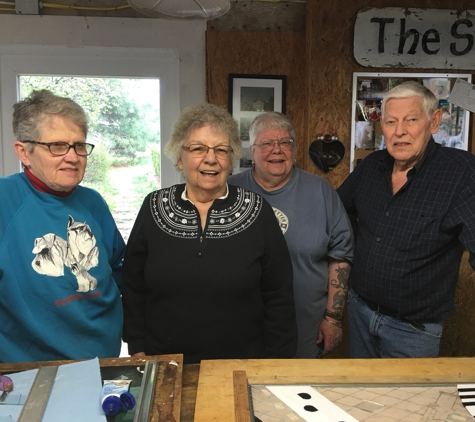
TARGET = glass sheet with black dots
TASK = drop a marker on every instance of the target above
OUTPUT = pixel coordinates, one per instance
(360, 402)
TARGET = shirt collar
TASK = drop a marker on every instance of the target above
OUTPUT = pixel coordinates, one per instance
(185, 198)
(42, 187)
(429, 152)
(388, 161)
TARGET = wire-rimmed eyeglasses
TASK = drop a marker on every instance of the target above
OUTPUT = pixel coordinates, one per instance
(200, 150)
(266, 145)
(82, 149)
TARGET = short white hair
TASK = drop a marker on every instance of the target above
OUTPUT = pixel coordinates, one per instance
(412, 89)
(270, 120)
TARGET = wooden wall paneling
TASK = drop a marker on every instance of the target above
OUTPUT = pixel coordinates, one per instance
(330, 66)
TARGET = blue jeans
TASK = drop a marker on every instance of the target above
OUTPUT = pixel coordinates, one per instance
(374, 335)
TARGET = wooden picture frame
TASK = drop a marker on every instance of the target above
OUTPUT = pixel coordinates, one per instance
(249, 96)
(221, 396)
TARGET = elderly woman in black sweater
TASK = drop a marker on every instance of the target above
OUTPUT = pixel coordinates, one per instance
(207, 272)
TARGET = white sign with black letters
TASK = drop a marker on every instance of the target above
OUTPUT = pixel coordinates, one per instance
(415, 38)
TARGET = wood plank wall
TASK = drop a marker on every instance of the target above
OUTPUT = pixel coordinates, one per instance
(319, 65)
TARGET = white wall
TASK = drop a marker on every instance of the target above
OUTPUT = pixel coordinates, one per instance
(172, 50)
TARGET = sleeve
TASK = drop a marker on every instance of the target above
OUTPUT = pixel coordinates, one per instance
(134, 290)
(280, 326)
(117, 256)
(341, 243)
(346, 192)
(462, 214)
(115, 241)
(17, 198)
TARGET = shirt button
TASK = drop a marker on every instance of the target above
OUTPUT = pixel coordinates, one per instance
(378, 239)
(370, 266)
(387, 213)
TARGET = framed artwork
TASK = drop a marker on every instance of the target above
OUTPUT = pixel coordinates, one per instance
(369, 89)
(249, 96)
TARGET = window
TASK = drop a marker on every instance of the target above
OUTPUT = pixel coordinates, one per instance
(91, 62)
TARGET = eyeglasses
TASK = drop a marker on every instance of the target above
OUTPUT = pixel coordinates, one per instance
(285, 144)
(200, 150)
(62, 148)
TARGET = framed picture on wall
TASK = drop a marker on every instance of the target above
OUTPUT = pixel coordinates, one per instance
(249, 96)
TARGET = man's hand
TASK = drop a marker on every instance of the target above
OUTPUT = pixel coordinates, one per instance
(330, 333)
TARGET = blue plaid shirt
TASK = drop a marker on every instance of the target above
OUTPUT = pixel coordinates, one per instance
(409, 245)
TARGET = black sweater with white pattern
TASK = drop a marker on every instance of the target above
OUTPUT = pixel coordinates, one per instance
(222, 293)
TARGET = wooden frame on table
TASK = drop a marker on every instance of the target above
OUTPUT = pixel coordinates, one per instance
(249, 96)
(218, 399)
(168, 381)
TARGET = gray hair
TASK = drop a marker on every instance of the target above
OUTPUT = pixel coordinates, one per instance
(413, 89)
(30, 113)
(270, 120)
(196, 117)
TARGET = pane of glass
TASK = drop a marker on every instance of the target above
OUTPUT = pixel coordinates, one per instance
(124, 126)
(363, 402)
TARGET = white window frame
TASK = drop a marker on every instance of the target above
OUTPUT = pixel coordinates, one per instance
(103, 47)
(96, 62)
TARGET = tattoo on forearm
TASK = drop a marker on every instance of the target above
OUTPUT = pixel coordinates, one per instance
(343, 273)
(339, 301)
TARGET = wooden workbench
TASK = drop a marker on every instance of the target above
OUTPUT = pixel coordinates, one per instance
(217, 399)
(211, 385)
